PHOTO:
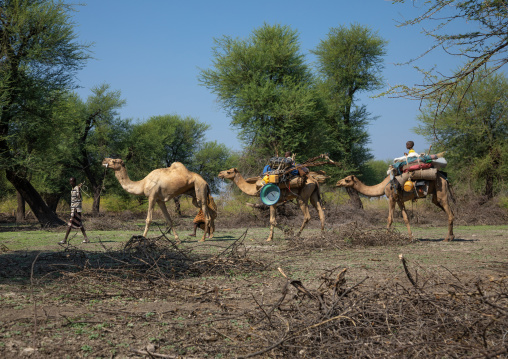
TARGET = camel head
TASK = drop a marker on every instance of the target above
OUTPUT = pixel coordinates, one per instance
(228, 174)
(349, 181)
(115, 163)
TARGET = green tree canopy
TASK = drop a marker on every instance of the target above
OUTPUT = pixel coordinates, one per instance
(474, 131)
(39, 58)
(349, 62)
(265, 86)
(209, 160)
(95, 131)
(162, 140)
(374, 171)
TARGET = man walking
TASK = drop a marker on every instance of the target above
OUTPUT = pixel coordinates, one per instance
(76, 208)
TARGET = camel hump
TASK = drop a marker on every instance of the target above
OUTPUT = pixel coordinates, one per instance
(179, 169)
(177, 166)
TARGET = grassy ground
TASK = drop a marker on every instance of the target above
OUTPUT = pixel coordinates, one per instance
(122, 297)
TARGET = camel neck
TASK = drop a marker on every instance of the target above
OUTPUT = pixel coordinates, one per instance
(132, 187)
(372, 191)
(247, 188)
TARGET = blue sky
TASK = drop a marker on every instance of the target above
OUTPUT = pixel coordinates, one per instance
(152, 51)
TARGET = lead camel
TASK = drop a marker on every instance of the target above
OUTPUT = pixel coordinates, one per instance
(163, 184)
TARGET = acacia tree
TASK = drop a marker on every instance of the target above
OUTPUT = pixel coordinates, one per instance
(484, 44)
(349, 62)
(474, 131)
(162, 140)
(211, 158)
(265, 87)
(95, 132)
(38, 59)
(47, 151)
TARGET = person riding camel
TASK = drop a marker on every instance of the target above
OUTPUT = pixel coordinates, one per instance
(411, 152)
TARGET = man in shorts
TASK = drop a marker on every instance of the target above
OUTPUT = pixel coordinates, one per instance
(76, 209)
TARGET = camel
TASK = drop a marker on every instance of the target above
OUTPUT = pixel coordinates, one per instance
(310, 190)
(439, 189)
(163, 184)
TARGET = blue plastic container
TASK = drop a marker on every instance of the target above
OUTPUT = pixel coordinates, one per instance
(270, 194)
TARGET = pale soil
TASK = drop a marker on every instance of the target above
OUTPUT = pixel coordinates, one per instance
(71, 308)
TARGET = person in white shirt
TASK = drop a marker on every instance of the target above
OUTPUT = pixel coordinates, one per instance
(411, 152)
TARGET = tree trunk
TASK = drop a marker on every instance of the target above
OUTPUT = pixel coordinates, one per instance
(489, 187)
(20, 210)
(96, 200)
(354, 198)
(52, 200)
(495, 155)
(45, 216)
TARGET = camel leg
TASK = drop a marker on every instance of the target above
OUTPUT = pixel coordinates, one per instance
(449, 212)
(273, 222)
(440, 199)
(314, 199)
(206, 230)
(211, 228)
(165, 212)
(211, 221)
(304, 206)
(406, 219)
(391, 209)
(148, 220)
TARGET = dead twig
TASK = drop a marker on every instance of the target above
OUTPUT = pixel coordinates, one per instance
(408, 274)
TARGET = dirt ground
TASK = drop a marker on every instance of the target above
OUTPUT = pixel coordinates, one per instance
(356, 291)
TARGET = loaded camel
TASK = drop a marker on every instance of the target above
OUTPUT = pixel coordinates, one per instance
(439, 189)
(163, 184)
(310, 190)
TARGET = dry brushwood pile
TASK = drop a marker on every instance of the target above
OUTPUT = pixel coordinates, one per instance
(437, 318)
(154, 299)
(348, 236)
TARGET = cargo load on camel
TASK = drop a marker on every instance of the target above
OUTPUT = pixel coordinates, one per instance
(283, 173)
(410, 164)
(282, 170)
(413, 173)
